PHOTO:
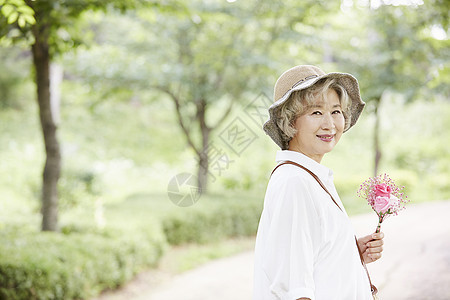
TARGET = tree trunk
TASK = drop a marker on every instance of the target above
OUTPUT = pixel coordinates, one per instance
(376, 140)
(51, 173)
(203, 159)
(202, 171)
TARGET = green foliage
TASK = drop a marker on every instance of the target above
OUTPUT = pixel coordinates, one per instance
(181, 57)
(17, 11)
(73, 266)
(56, 21)
(82, 260)
(395, 50)
(207, 225)
(77, 186)
(15, 81)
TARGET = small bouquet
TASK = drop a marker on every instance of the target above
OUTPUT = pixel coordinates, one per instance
(384, 196)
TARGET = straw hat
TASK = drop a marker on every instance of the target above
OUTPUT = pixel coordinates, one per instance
(302, 77)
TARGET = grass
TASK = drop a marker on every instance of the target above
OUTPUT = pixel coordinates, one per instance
(183, 258)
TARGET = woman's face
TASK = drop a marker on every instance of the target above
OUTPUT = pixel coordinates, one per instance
(319, 128)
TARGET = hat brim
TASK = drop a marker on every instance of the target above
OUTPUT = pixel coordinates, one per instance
(346, 80)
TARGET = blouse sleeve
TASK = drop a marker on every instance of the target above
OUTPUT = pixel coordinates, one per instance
(292, 241)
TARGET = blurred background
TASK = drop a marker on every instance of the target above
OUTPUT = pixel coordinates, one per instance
(130, 130)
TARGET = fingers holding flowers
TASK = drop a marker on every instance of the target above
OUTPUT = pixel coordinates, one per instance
(373, 248)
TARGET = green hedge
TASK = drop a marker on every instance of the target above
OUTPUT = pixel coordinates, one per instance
(80, 261)
(49, 265)
(212, 224)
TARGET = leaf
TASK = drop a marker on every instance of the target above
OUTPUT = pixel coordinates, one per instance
(7, 10)
(26, 10)
(21, 21)
(17, 3)
(29, 19)
(13, 17)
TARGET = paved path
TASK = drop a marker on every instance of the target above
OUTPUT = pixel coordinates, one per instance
(416, 256)
(415, 263)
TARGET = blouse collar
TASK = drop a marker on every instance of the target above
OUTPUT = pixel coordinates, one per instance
(321, 171)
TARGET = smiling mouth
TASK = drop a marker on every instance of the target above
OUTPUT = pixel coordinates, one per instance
(326, 137)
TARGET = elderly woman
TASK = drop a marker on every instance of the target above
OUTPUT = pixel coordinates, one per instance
(305, 246)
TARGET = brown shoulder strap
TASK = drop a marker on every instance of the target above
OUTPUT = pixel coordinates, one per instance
(373, 288)
(312, 174)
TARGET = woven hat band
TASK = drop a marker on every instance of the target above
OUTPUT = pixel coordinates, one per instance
(293, 77)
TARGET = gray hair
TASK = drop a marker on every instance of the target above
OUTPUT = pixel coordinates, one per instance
(300, 100)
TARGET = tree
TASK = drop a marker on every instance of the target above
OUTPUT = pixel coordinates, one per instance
(203, 73)
(220, 52)
(206, 58)
(395, 54)
(49, 34)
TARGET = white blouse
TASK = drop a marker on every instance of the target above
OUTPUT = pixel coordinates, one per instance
(305, 246)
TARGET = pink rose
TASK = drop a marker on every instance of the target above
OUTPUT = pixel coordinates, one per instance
(382, 190)
(394, 201)
(382, 204)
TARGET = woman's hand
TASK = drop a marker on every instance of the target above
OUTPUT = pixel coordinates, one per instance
(371, 246)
